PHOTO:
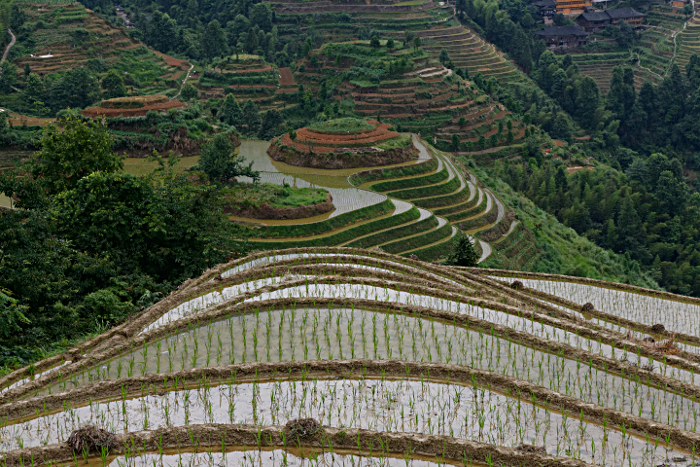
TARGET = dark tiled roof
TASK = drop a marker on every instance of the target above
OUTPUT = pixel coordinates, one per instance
(545, 4)
(624, 13)
(595, 16)
(562, 31)
(614, 14)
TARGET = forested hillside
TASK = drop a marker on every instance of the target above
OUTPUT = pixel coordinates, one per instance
(487, 115)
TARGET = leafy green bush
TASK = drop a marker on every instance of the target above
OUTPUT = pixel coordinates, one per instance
(342, 125)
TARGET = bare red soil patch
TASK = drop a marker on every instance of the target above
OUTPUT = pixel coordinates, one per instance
(172, 61)
(94, 112)
(331, 141)
(286, 77)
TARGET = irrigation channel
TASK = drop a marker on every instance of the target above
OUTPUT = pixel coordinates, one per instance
(399, 361)
(442, 199)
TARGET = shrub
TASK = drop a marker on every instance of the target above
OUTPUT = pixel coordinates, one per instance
(462, 252)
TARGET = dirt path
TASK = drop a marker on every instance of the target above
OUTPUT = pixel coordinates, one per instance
(286, 78)
(184, 82)
(675, 35)
(9, 46)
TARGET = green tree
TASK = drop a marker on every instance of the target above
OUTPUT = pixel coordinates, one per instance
(189, 92)
(587, 102)
(672, 192)
(390, 44)
(219, 163)
(35, 88)
(72, 152)
(417, 43)
(272, 124)
(462, 252)
(113, 85)
(630, 231)
(625, 34)
(455, 142)
(251, 115)
(8, 77)
(261, 16)
(444, 57)
(157, 224)
(76, 90)
(374, 42)
(692, 70)
(231, 112)
(11, 315)
(214, 40)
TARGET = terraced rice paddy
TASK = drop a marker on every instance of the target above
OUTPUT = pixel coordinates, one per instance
(414, 208)
(397, 361)
(600, 66)
(429, 99)
(55, 49)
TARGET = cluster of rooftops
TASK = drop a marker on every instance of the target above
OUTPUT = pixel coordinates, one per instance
(590, 21)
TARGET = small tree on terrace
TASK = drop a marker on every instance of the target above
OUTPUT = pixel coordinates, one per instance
(231, 111)
(455, 142)
(390, 44)
(218, 161)
(113, 85)
(462, 252)
(444, 57)
(688, 9)
(408, 38)
(374, 42)
(73, 152)
(416, 43)
(189, 92)
(251, 115)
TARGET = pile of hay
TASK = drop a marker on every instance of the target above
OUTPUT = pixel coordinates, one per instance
(302, 427)
(91, 438)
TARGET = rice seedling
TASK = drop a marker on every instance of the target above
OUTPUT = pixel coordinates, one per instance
(266, 312)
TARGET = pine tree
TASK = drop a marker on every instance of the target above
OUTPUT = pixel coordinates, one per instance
(231, 112)
(630, 231)
(462, 252)
(214, 40)
(251, 115)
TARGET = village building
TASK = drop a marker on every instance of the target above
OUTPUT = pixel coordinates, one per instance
(596, 21)
(679, 3)
(573, 7)
(563, 37)
(546, 9)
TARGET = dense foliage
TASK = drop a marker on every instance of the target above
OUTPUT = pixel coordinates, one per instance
(81, 254)
(647, 212)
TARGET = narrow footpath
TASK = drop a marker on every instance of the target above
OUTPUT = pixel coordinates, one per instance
(9, 46)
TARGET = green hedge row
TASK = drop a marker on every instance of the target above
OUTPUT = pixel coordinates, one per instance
(431, 190)
(419, 241)
(459, 207)
(317, 228)
(480, 221)
(510, 240)
(432, 253)
(469, 212)
(403, 171)
(383, 237)
(448, 200)
(515, 249)
(346, 235)
(496, 232)
(413, 182)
